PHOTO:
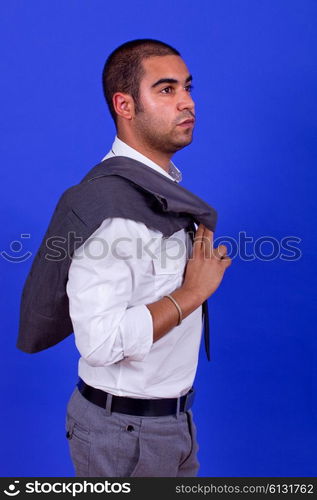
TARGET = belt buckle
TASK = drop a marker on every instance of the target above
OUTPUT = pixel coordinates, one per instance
(190, 396)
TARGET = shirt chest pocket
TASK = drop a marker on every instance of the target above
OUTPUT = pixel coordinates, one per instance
(168, 266)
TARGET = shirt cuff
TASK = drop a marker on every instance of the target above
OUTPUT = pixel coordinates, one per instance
(136, 330)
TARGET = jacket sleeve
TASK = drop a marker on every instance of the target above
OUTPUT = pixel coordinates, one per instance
(109, 321)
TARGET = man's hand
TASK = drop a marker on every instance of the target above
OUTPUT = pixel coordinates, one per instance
(203, 275)
(206, 267)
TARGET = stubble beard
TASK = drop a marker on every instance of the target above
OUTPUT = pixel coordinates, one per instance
(167, 141)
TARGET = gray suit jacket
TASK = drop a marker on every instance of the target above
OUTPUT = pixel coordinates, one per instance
(117, 187)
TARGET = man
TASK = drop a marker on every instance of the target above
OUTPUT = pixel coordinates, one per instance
(137, 320)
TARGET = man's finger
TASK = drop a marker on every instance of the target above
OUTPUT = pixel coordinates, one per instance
(227, 261)
(209, 234)
(220, 252)
(208, 242)
(198, 238)
(200, 230)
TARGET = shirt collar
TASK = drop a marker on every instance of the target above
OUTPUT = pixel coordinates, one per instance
(120, 148)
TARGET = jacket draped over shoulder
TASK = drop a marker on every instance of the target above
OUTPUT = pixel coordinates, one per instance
(117, 187)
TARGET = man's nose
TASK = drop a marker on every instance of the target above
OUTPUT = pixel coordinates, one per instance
(185, 101)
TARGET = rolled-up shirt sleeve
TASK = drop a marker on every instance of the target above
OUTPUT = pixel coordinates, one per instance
(108, 325)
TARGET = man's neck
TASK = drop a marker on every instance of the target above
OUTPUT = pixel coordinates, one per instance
(161, 159)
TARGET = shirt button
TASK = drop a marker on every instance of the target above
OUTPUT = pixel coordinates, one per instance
(130, 428)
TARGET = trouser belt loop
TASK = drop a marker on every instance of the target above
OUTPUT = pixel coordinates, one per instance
(177, 407)
(108, 404)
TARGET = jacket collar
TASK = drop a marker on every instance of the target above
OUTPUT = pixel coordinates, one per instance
(172, 196)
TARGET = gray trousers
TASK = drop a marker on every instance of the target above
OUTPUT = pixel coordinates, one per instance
(105, 444)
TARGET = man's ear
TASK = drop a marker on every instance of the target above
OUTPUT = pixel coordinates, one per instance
(123, 105)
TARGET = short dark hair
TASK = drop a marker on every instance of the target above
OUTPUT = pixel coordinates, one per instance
(123, 68)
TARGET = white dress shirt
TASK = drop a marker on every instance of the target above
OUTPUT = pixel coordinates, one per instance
(120, 268)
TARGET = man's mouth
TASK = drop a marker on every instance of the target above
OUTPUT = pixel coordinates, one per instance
(189, 122)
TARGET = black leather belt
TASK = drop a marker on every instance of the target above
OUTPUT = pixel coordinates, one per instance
(134, 406)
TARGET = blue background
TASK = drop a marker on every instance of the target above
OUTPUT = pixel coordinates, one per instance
(253, 158)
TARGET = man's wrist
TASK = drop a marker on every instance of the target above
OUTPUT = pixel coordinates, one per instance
(188, 299)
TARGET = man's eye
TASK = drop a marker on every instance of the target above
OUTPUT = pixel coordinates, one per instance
(167, 90)
(189, 88)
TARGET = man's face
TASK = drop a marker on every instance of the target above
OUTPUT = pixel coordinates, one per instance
(166, 118)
